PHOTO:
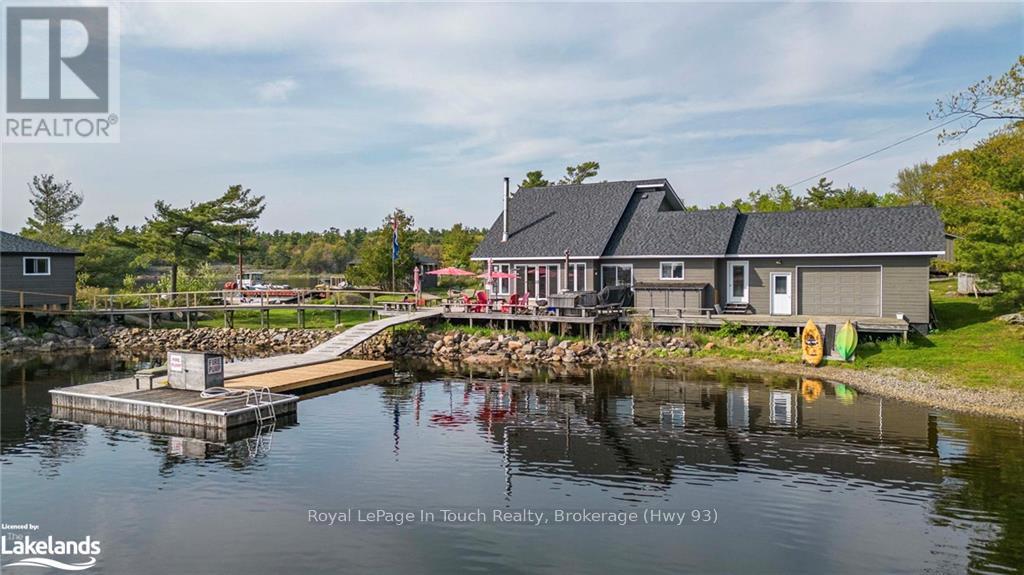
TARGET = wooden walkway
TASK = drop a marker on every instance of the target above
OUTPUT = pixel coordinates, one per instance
(336, 372)
(352, 337)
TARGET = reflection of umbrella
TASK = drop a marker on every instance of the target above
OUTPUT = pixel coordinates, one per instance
(450, 271)
(454, 418)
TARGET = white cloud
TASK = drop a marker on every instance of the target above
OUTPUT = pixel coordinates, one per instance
(276, 91)
(423, 104)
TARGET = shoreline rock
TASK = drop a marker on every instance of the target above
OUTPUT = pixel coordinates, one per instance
(453, 348)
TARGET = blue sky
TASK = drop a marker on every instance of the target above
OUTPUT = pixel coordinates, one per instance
(338, 113)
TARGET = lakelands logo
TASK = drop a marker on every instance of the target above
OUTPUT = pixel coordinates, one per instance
(62, 78)
(42, 552)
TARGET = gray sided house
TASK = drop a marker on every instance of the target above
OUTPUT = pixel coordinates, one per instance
(35, 274)
(853, 263)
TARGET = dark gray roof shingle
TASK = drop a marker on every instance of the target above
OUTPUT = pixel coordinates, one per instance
(647, 229)
(624, 219)
(15, 244)
(846, 231)
(544, 222)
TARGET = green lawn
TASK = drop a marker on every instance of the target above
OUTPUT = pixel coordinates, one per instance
(970, 347)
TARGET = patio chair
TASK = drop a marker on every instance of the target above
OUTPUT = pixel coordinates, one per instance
(481, 298)
(511, 305)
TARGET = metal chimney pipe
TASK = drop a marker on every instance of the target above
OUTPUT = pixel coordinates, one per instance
(504, 214)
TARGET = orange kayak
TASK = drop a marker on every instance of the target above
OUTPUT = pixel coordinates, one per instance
(812, 344)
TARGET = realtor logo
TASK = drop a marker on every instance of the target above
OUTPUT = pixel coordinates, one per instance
(61, 81)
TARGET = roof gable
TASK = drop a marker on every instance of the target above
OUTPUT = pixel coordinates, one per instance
(649, 229)
(15, 244)
(544, 222)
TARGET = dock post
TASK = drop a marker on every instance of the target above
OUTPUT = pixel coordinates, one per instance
(337, 316)
(229, 318)
(21, 306)
(301, 313)
(149, 316)
(188, 320)
(591, 333)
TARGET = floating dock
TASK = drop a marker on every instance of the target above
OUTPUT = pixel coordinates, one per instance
(257, 390)
(181, 407)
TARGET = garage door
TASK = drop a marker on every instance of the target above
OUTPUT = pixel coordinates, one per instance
(852, 291)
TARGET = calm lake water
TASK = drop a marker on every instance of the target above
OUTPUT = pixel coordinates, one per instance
(795, 477)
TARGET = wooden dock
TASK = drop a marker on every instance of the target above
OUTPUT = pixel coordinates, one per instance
(176, 406)
(277, 380)
(337, 372)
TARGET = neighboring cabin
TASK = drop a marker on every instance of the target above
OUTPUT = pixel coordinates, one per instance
(865, 262)
(45, 274)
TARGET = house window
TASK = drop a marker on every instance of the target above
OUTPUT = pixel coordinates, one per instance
(502, 286)
(37, 266)
(577, 278)
(538, 281)
(616, 274)
(672, 270)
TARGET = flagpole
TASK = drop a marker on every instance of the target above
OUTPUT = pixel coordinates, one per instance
(394, 223)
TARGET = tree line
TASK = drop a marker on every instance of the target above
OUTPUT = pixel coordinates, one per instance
(978, 191)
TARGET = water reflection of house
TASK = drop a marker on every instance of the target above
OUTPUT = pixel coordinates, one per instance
(656, 429)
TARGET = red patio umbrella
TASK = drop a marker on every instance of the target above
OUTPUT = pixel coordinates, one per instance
(450, 271)
(499, 276)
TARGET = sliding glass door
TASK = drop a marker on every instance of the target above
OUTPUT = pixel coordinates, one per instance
(539, 280)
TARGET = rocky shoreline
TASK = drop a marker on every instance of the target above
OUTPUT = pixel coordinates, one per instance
(457, 348)
(64, 336)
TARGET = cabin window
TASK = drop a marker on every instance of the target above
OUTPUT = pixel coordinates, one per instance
(616, 275)
(672, 270)
(538, 280)
(37, 266)
(502, 286)
(577, 277)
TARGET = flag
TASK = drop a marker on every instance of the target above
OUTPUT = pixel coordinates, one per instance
(394, 238)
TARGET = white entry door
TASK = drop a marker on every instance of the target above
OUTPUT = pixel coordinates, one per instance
(737, 282)
(782, 293)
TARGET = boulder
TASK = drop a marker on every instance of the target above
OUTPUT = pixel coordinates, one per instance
(1013, 318)
(20, 342)
(100, 342)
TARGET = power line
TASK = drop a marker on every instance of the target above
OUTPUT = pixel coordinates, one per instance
(880, 150)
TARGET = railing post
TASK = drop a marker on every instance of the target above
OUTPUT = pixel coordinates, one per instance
(21, 306)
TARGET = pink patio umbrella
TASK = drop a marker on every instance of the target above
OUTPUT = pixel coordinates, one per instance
(450, 271)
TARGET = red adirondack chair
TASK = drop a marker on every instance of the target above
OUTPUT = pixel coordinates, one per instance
(481, 298)
(511, 305)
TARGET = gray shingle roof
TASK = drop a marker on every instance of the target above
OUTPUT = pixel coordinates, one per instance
(846, 231)
(620, 219)
(648, 229)
(15, 244)
(544, 222)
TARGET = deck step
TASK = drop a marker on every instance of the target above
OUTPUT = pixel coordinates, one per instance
(736, 308)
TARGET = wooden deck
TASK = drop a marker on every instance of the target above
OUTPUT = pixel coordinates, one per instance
(863, 324)
(337, 372)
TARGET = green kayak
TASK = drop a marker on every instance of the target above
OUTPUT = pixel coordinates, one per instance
(846, 341)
